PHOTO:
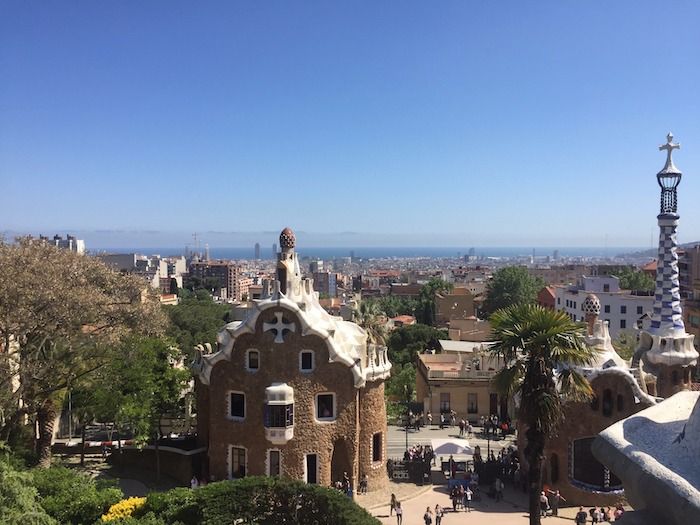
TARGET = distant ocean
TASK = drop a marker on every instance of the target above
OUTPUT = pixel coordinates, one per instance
(389, 252)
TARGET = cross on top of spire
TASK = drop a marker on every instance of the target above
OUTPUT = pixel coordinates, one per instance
(669, 147)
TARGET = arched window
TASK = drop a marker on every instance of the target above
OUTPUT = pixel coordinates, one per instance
(554, 468)
(620, 403)
(607, 402)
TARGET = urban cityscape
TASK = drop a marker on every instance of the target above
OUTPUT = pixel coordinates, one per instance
(253, 270)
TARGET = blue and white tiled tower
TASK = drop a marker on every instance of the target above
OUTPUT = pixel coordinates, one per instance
(666, 350)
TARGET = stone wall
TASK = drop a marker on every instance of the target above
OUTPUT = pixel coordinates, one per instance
(279, 363)
(584, 420)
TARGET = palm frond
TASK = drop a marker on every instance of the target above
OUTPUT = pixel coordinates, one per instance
(574, 386)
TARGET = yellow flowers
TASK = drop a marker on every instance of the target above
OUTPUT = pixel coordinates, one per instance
(124, 509)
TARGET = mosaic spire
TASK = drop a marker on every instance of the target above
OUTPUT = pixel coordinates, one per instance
(667, 317)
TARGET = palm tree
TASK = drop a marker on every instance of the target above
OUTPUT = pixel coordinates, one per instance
(370, 317)
(541, 349)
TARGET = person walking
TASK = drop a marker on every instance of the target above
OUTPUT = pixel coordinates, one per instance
(194, 482)
(399, 513)
(554, 498)
(438, 514)
(392, 504)
(544, 504)
(498, 486)
(428, 516)
(468, 494)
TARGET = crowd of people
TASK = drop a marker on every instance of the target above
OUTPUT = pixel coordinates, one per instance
(599, 515)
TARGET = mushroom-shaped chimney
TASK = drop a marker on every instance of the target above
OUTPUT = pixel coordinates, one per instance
(287, 239)
(591, 307)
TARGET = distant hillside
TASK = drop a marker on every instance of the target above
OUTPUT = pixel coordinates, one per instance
(651, 252)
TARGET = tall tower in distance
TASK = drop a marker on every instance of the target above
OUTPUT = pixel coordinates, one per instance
(666, 352)
(257, 251)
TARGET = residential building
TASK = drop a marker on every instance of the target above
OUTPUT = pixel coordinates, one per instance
(546, 297)
(326, 283)
(460, 381)
(622, 309)
(226, 273)
(459, 304)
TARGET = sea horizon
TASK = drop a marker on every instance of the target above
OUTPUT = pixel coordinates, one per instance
(385, 252)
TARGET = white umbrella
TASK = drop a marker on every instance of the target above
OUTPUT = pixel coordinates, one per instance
(451, 446)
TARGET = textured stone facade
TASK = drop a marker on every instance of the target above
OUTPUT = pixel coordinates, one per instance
(583, 421)
(260, 359)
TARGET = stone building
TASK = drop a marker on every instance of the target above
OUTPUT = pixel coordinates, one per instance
(293, 391)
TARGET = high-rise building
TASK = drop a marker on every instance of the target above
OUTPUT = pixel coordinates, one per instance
(69, 243)
(257, 251)
(274, 250)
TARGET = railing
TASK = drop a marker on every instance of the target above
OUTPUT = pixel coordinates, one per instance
(461, 374)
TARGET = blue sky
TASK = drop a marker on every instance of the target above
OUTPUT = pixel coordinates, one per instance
(455, 123)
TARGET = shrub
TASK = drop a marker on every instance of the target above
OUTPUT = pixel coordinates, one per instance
(259, 501)
(19, 503)
(72, 497)
(125, 508)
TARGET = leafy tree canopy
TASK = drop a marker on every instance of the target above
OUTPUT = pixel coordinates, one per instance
(405, 342)
(511, 286)
(635, 280)
(61, 313)
(197, 319)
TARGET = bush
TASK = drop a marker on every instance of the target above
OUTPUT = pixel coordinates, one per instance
(71, 497)
(259, 501)
(19, 503)
(125, 508)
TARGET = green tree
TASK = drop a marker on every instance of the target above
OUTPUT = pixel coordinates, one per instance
(511, 286)
(541, 349)
(637, 281)
(373, 320)
(425, 310)
(406, 342)
(142, 384)
(625, 344)
(61, 313)
(197, 319)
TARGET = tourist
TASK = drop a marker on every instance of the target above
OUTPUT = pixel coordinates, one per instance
(438, 514)
(392, 504)
(554, 498)
(468, 494)
(607, 515)
(363, 484)
(455, 498)
(399, 513)
(469, 429)
(461, 429)
(428, 516)
(544, 504)
(593, 512)
(430, 418)
(194, 482)
(442, 421)
(581, 516)
(498, 485)
(619, 511)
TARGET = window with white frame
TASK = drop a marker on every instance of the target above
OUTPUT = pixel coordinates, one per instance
(252, 360)
(325, 407)
(274, 462)
(306, 360)
(377, 447)
(236, 406)
(238, 462)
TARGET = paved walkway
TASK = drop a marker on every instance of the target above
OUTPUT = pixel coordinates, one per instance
(511, 511)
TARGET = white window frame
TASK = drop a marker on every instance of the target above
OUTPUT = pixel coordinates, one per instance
(381, 448)
(230, 460)
(247, 360)
(317, 416)
(268, 462)
(313, 361)
(318, 467)
(231, 417)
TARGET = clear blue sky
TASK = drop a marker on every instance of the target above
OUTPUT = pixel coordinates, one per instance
(465, 123)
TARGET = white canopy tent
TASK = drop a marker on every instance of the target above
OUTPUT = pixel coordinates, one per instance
(451, 446)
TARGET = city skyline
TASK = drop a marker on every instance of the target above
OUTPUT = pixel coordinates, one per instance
(471, 125)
